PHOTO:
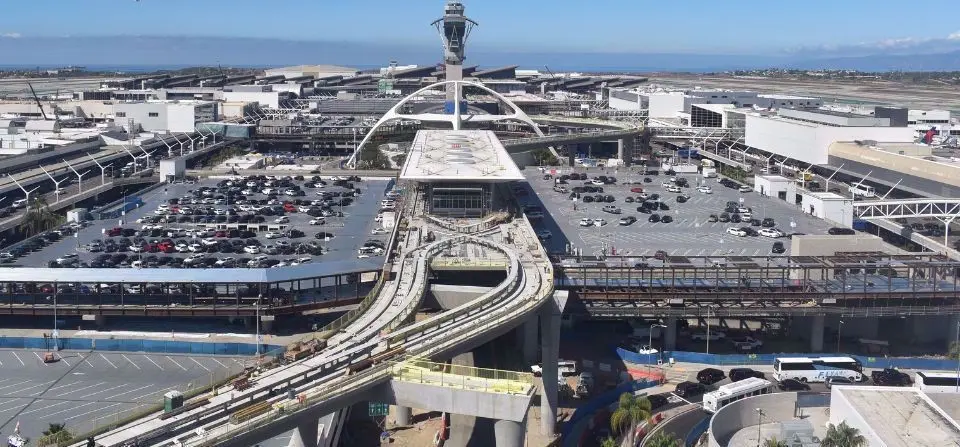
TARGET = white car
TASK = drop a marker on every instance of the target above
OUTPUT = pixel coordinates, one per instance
(544, 234)
(303, 208)
(673, 188)
(645, 349)
(667, 184)
(736, 232)
(743, 209)
(195, 248)
(745, 189)
(251, 249)
(248, 192)
(192, 258)
(209, 241)
(379, 230)
(746, 343)
(585, 222)
(67, 258)
(136, 248)
(317, 221)
(705, 189)
(597, 182)
(599, 222)
(225, 261)
(273, 235)
(268, 191)
(281, 220)
(771, 232)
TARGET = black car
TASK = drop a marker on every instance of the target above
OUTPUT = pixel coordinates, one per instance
(750, 231)
(666, 219)
(709, 376)
(682, 199)
(647, 180)
(755, 222)
(768, 222)
(657, 401)
(838, 230)
(653, 218)
(628, 199)
(891, 377)
(738, 374)
(778, 248)
(792, 385)
(735, 218)
(654, 197)
(689, 389)
(713, 218)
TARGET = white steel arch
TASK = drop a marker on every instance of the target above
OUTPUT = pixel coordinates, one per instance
(456, 119)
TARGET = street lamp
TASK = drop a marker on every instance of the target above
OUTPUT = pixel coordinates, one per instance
(708, 330)
(759, 424)
(650, 342)
(839, 326)
(957, 345)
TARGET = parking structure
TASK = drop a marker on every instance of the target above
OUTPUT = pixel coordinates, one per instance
(564, 224)
(88, 389)
(289, 221)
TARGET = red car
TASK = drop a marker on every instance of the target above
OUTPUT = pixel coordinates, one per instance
(117, 231)
(220, 234)
(636, 190)
(288, 207)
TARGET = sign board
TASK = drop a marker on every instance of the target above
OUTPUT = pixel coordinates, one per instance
(377, 409)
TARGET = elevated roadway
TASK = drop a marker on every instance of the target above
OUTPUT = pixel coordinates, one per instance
(359, 347)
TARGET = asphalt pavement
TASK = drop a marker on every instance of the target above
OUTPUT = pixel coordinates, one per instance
(88, 389)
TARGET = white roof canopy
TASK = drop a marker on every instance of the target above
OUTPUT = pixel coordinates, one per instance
(459, 155)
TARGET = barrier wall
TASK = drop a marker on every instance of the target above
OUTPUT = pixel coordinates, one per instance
(698, 430)
(602, 401)
(161, 346)
(768, 359)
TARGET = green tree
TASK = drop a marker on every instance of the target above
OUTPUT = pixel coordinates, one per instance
(774, 442)
(608, 442)
(38, 218)
(843, 435)
(662, 439)
(631, 410)
(55, 433)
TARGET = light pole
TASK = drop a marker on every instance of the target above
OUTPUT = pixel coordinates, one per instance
(839, 326)
(650, 342)
(56, 333)
(957, 346)
(259, 297)
(759, 424)
(708, 330)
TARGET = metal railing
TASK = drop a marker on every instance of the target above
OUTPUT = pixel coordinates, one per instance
(423, 371)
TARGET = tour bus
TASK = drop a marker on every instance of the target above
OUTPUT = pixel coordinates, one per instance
(732, 392)
(816, 369)
(937, 382)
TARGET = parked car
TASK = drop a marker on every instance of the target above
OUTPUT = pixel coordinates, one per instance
(612, 209)
(745, 188)
(891, 377)
(709, 376)
(778, 248)
(654, 218)
(705, 189)
(746, 343)
(628, 220)
(771, 233)
(736, 232)
(837, 380)
(702, 336)
(838, 231)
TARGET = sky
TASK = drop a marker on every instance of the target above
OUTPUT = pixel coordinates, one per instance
(755, 27)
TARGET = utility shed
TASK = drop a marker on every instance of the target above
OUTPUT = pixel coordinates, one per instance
(828, 206)
(894, 417)
(772, 186)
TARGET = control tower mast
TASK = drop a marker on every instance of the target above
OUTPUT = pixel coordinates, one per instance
(454, 28)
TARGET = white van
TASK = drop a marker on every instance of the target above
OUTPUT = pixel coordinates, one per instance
(20, 203)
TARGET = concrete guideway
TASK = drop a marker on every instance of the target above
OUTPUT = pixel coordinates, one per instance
(524, 291)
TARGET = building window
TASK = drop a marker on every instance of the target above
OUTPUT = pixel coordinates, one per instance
(153, 114)
(121, 114)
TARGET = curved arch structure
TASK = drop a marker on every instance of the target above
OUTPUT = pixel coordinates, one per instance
(456, 119)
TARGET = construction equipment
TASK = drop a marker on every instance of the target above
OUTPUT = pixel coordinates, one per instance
(37, 99)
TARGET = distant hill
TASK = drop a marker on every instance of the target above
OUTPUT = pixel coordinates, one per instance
(186, 51)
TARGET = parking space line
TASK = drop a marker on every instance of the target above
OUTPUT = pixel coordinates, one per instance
(48, 406)
(87, 362)
(92, 411)
(16, 384)
(20, 405)
(131, 361)
(129, 391)
(175, 363)
(40, 359)
(108, 361)
(18, 358)
(154, 363)
(74, 408)
(79, 389)
(63, 360)
(101, 391)
(221, 364)
(201, 364)
(68, 385)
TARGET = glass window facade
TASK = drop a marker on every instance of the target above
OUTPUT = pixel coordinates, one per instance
(460, 200)
(700, 117)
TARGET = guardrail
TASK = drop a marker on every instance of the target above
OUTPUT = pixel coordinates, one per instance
(462, 377)
(690, 440)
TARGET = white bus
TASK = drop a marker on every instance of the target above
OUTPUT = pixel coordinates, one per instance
(732, 392)
(817, 369)
(937, 382)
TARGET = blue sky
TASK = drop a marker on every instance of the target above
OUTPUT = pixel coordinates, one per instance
(694, 26)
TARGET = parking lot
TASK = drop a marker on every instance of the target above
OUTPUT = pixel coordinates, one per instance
(220, 227)
(689, 234)
(86, 389)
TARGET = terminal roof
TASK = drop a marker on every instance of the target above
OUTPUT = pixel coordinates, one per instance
(904, 417)
(459, 155)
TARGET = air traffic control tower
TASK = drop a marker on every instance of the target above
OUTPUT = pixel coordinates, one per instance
(454, 28)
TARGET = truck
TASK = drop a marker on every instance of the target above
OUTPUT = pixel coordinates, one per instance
(746, 343)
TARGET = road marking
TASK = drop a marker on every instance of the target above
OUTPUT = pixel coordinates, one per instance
(16, 384)
(211, 358)
(18, 358)
(154, 363)
(63, 360)
(41, 359)
(15, 406)
(175, 363)
(104, 390)
(48, 406)
(87, 362)
(20, 390)
(108, 361)
(131, 361)
(130, 391)
(91, 411)
(79, 389)
(74, 408)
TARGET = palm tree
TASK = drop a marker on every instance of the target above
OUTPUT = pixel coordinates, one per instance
(38, 218)
(608, 442)
(631, 410)
(843, 435)
(774, 442)
(56, 432)
(662, 439)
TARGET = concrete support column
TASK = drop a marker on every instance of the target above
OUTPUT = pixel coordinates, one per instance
(670, 335)
(403, 415)
(952, 325)
(625, 150)
(510, 433)
(816, 334)
(305, 435)
(529, 337)
(550, 339)
(265, 326)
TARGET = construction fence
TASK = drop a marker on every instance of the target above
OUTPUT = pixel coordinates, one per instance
(918, 363)
(134, 345)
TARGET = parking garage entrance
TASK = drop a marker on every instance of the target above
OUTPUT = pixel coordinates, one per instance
(463, 200)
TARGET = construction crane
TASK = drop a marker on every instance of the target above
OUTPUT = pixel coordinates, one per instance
(552, 76)
(32, 91)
